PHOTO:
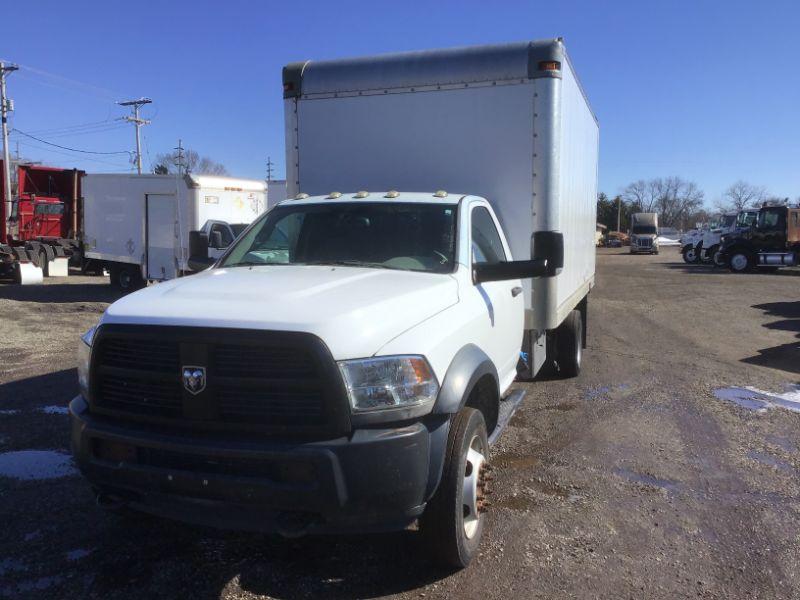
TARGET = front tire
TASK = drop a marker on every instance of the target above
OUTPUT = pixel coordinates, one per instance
(741, 261)
(689, 255)
(452, 524)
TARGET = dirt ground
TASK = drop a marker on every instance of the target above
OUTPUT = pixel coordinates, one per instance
(631, 481)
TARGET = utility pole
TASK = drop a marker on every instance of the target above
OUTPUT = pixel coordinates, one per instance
(270, 164)
(5, 108)
(179, 157)
(619, 212)
(137, 123)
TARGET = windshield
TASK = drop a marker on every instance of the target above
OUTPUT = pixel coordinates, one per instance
(405, 236)
(238, 228)
(746, 219)
(644, 229)
(728, 220)
(769, 219)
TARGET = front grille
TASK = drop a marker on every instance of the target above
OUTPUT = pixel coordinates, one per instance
(645, 243)
(282, 382)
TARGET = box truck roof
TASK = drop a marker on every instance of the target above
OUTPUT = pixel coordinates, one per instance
(438, 69)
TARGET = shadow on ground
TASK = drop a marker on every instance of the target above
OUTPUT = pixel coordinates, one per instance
(786, 356)
(60, 292)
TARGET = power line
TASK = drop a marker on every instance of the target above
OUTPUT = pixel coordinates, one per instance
(97, 160)
(71, 84)
(67, 147)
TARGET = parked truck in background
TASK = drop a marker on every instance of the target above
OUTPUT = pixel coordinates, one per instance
(40, 223)
(137, 226)
(348, 361)
(708, 247)
(773, 241)
(644, 233)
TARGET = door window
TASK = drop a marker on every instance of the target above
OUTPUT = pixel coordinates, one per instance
(487, 247)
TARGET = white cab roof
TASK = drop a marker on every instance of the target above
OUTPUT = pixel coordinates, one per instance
(414, 197)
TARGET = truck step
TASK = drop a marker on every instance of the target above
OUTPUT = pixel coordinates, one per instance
(508, 406)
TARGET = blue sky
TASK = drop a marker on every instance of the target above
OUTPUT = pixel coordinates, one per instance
(709, 91)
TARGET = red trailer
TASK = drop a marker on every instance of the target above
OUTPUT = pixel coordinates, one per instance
(40, 224)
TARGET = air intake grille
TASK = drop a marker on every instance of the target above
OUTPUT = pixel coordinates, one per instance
(286, 383)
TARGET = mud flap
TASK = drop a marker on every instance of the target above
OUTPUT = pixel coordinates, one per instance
(58, 267)
(26, 273)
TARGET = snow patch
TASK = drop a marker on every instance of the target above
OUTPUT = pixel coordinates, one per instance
(36, 464)
(54, 410)
(755, 399)
(7, 412)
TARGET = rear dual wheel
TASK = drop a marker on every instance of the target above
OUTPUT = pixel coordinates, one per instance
(126, 278)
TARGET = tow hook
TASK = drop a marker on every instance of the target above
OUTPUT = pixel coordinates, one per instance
(484, 478)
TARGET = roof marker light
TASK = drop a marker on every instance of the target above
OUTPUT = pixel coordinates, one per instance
(392, 194)
(361, 194)
(334, 195)
(301, 196)
(549, 65)
(440, 194)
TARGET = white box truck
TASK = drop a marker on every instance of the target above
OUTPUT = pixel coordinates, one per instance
(347, 363)
(137, 226)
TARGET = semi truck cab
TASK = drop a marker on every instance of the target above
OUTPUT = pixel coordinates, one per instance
(772, 242)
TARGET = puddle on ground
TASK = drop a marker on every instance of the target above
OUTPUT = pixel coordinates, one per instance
(755, 399)
(784, 443)
(770, 461)
(648, 480)
(36, 464)
(605, 390)
(54, 410)
(515, 461)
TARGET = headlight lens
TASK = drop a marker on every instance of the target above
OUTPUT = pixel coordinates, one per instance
(84, 356)
(388, 382)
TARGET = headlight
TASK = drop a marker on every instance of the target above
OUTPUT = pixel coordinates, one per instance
(84, 356)
(388, 382)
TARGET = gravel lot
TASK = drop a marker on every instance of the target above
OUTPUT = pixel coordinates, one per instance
(633, 480)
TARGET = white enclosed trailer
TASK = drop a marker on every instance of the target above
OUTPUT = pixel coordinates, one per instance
(137, 226)
(510, 123)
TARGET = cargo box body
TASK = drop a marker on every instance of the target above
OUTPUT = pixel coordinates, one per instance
(509, 123)
(146, 219)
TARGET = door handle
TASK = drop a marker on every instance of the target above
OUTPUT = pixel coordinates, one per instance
(516, 291)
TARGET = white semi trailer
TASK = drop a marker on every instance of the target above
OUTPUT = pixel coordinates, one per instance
(346, 365)
(137, 226)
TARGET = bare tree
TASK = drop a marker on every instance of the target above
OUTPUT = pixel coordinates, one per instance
(192, 163)
(741, 195)
(673, 198)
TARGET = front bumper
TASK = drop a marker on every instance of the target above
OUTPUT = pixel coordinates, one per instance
(372, 480)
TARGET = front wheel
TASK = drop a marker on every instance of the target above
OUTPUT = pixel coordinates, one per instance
(718, 257)
(741, 261)
(452, 523)
(689, 255)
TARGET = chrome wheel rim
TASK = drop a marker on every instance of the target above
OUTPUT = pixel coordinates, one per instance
(472, 489)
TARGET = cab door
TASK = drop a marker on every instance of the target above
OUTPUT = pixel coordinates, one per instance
(505, 308)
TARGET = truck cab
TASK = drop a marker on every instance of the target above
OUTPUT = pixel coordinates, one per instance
(644, 233)
(773, 241)
(325, 361)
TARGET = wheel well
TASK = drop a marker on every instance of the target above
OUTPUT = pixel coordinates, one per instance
(485, 397)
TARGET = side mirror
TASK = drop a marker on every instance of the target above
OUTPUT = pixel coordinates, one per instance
(216, 240)
(548, 260)
(198, 251)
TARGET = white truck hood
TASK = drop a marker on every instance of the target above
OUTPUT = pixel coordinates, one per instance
(354, 310)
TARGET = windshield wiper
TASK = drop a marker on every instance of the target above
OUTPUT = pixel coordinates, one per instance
(350, 263)
(252, 263)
